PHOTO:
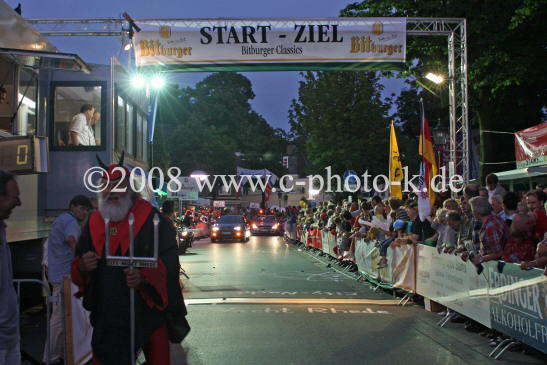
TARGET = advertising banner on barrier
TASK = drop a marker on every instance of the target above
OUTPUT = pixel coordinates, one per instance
(518, 303)
(400, 271)
(304, 237)
(78, 330)
(448, 280)
(274, 44)
(328, 241)
(367, 257)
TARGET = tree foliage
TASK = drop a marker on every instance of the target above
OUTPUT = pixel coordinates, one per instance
(340, 120)
(506, 57)
(205, 126)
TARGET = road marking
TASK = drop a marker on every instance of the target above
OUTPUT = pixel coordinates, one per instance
(289, 301)
(294, 310)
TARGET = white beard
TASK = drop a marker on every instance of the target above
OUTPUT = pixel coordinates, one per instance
(115, 212)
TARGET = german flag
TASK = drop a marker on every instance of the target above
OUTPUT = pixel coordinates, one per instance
(428, 156)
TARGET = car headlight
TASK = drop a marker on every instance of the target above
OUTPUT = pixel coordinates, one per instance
(237, 228)
(184, 233)
(215, 229)
(255, 226)
(275, 226)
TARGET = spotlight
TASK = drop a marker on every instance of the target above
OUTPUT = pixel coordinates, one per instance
(127, 44)
(157, 82)
(138, 81)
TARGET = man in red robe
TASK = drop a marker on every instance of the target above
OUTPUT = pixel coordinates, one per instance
(159, 306)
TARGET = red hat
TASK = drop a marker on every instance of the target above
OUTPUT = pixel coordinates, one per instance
(113, 171)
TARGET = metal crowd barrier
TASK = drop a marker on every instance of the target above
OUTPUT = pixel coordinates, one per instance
(45, 287)
(503, 297)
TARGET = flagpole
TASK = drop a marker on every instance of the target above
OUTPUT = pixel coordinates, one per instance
(422, 135)
(390, 158)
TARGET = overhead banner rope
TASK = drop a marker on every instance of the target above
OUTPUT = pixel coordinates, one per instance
(265, 44)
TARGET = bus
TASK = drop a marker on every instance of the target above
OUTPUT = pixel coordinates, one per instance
(41, 90)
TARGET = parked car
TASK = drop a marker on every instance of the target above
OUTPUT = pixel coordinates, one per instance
(230, 227)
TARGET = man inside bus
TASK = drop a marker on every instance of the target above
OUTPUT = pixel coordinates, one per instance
(9, 312)
(94, 120)
(81, 129)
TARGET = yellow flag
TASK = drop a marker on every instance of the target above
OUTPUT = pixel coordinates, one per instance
(395, 166)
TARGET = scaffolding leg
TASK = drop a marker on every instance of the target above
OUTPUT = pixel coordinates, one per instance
(376, 288)
(447, 318)
(500, 345)
(405, 299)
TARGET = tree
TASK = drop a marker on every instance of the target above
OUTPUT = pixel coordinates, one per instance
(506, 48)
(205, 126)
(340, 120)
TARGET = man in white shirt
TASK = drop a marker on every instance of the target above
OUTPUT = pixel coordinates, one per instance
(493, 187)
(94, 120)
(81, 131)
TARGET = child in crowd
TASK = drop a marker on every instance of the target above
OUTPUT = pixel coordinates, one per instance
(452, 204)
(345, 232)
(378, 225)
(400, 228)
(445, 236)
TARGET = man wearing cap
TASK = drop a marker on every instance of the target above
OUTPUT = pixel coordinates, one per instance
(62, 240)
(159, 306)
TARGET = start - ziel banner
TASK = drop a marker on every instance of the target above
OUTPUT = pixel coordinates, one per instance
(244, 45)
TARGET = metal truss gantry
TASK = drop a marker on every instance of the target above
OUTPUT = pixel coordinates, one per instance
(454, 29)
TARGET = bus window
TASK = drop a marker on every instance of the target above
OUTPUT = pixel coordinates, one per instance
(144, 138)
(26, 99)
(7, 106)
(120, 123)
(139, 138)
(77, 120)
(129, 128)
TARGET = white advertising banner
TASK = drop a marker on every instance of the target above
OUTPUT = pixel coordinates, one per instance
(273, 44)
(328, 241)
(454, 283)
(78, 331)
(400, 271)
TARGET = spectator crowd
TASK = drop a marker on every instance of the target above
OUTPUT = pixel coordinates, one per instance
(481, 224)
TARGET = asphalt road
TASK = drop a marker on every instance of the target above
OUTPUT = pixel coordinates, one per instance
(266, 302)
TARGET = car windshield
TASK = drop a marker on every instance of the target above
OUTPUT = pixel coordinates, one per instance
(267, 219)
(228, 219)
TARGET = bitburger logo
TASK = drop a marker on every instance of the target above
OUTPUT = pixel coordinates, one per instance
(377, 28)
(165, 31)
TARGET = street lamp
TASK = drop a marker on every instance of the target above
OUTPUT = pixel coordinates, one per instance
(438, 79)
(440, 137)
(439, 133)
(435, 78)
